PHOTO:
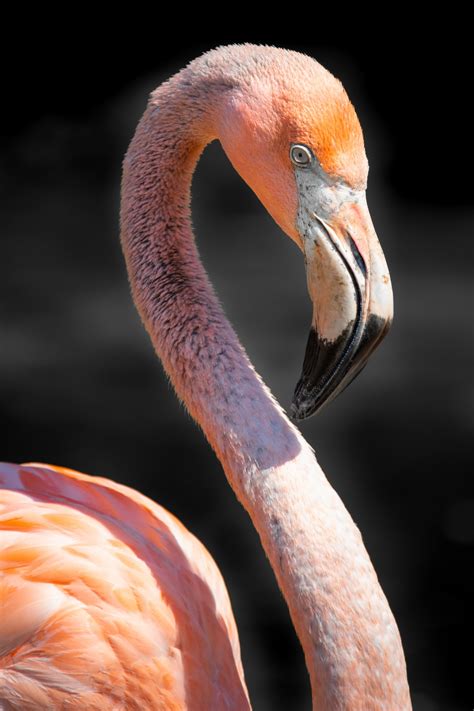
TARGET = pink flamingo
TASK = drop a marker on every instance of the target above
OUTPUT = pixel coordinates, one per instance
(108, 602)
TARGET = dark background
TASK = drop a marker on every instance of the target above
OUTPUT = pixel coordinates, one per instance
(79, 382)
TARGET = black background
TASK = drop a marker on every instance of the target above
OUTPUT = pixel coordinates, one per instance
(80, 385)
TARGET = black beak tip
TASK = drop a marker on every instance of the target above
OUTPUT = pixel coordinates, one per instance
(302, 407)
(321, 360)
(297, 413)
(329, 368)
(299, 416)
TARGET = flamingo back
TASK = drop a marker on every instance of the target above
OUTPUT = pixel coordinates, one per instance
(107, 601)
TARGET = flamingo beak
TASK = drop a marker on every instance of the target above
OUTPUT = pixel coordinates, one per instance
(349, 285)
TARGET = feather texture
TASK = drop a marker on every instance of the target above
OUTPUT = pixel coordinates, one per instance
(107, 601)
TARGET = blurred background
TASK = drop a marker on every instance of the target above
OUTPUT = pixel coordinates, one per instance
(80, 385)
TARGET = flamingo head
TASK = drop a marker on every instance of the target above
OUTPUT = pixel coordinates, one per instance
(292, 133)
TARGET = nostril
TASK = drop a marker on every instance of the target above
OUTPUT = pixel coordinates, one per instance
(357, 256)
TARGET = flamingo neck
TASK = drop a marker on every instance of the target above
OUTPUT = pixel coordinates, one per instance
(350, 640)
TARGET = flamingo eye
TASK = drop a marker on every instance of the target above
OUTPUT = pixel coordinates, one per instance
(301, 155)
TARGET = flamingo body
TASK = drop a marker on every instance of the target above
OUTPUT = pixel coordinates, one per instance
(107, 601)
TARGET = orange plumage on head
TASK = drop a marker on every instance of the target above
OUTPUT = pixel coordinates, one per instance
(300, 103)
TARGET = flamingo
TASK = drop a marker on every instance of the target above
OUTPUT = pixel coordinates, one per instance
(108, 602)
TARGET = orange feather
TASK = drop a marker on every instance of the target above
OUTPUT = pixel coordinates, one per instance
(107, 601)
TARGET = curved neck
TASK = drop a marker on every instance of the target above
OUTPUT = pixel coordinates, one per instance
(350, 640)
